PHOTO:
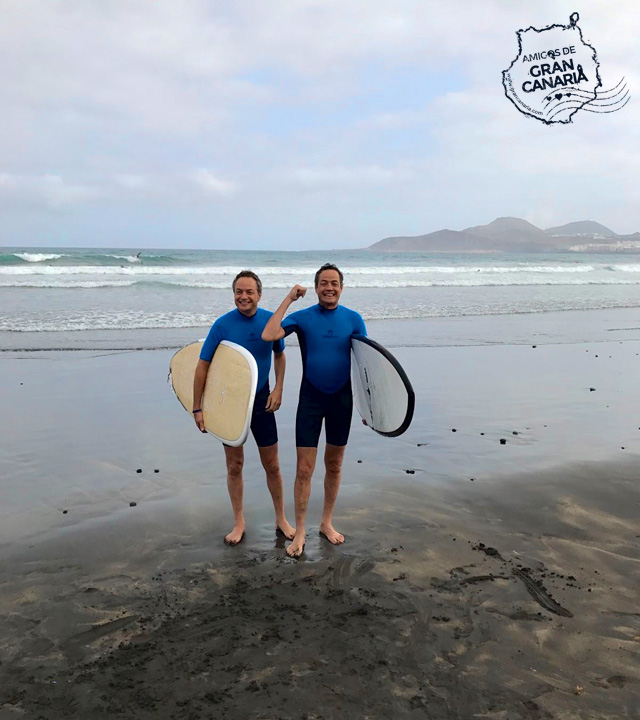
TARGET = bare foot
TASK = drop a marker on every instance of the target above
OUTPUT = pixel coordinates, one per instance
(284, 528)
(235, 536)
(328, 532)
(297, 546)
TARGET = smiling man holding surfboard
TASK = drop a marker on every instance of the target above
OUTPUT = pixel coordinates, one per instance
(244, 326)
(325, 332)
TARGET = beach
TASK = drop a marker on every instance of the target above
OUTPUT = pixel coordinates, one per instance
(438, 200)
(492, 561)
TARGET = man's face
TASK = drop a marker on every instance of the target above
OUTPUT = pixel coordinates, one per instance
(246, 296)
(329, 289)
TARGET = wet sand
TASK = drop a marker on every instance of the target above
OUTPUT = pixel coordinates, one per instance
(479, 579)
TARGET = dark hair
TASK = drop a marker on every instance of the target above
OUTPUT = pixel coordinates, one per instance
(328, 266)
(249, 274)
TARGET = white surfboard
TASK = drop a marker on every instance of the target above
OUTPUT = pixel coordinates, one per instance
(382, 392)
(229, 391)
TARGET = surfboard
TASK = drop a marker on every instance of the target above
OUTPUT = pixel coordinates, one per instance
(229, 391)
(382, 392)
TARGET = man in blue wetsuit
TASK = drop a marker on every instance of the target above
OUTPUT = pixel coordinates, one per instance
(244, 326)
(324, 331)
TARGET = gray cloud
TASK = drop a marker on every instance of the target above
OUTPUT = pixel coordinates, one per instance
(272, 117)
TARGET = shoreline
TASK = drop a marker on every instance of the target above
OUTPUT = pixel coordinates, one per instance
(551, 327)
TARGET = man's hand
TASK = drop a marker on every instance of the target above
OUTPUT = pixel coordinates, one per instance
(200, 421)
(274, 400)
(297, 291)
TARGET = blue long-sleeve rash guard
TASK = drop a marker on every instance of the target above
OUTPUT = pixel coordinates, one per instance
(325, 343)
(245, 331)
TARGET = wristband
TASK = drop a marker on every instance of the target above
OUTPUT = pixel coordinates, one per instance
(195, 411)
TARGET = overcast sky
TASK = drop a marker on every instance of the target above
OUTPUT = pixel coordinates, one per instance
(297, 124)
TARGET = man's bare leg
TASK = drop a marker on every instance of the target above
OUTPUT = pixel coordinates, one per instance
(235, 460)
(271, 465)
(333, 457)
(305, 466)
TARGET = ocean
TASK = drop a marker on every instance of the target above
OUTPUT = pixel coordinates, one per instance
(61, 298)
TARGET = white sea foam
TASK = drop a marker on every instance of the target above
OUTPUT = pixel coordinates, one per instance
(304, 272)
(141, 270)
(425, 283)
(128, 258)
(63, 283)
(137, 320)
(278, 278)
(391, 280)
(37, 257)
(133, 320)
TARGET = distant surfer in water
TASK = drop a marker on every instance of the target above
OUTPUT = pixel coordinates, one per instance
(324, 331)
(244, 326)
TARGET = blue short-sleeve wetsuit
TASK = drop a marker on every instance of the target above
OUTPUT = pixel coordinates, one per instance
(247, 332)
(325, 391)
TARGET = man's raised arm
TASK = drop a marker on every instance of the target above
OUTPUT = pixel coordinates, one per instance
(273, 329)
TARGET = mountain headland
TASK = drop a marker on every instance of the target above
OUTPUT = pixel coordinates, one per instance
(511, 234)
